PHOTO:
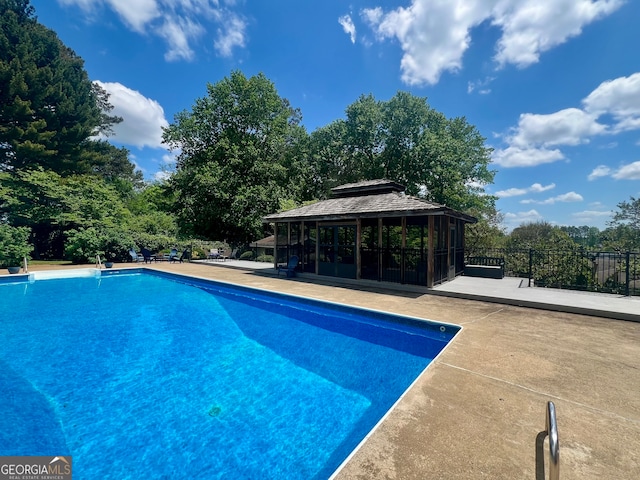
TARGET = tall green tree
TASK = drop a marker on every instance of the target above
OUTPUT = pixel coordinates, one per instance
(236, 159)
(538, 235)
(624, 228)
(583, 235)
(555, 258)
(484, 235)
(49, 109)
(404, 139)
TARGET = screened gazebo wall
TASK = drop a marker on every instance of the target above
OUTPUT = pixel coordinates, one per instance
(390, 249)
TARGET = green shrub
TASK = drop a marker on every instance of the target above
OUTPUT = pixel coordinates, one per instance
(155, 243)
(264, 258)
(83, 245)
(248, 255)
(14, 245)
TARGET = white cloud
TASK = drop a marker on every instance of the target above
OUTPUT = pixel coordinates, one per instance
(179, 23)
(620, 98)
(136, 14)
(481, 86)
(170, 158)
(570, 126)
(143, 118)
(599, 171)
(167, 166)
(434, 34)
(531, 27)
(591, 214)
(511, 192)
(515, 192)
(512, 220)
(161, 175)
(568, 197)
(348, 27)
(628, 172)
(231, 35)
(564, 198)
(611, 108)
(536, 187)
(177, 33)
(372, 16)
(631, 171)
(525, 157)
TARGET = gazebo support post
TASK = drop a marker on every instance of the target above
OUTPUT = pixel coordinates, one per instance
(430, 256)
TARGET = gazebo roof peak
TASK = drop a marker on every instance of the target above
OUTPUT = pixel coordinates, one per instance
(367, 187)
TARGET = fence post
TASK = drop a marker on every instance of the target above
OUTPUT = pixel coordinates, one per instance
(530, 265)
(627, 271)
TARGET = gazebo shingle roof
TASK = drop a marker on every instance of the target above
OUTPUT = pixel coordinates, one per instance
(367, 187)
(390, 202)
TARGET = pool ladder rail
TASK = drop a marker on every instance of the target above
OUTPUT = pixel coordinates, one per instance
(551, 430)
(98, 262)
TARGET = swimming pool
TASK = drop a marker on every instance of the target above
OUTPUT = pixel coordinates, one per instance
(149, 375)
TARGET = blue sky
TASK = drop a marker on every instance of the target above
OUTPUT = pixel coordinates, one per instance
(553, 85)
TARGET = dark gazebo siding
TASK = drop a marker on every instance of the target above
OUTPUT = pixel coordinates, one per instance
(372, 230)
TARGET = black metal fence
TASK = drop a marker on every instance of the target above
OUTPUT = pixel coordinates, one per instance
(577, 269)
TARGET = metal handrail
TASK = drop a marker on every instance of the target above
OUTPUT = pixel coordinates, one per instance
(554, 446)
(25, 265)
(98, 261)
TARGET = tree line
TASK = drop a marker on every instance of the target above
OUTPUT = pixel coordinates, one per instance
(242, 153)
(621, 235)
(65, 191)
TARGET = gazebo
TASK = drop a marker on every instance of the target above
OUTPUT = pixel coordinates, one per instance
(373, 230)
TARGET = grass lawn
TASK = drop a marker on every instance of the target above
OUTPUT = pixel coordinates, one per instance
(50, 262)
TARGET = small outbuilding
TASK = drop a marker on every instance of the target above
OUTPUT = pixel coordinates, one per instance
(372, 230)
(264, 246)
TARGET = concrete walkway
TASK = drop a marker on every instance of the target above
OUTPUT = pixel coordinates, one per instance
(476, 412)
(515, 291)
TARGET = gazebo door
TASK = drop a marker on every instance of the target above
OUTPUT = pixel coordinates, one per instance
(337, 251)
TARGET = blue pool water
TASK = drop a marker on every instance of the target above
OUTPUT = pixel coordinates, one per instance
(149, 376)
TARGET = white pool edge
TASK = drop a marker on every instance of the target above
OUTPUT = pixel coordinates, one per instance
(57, 274)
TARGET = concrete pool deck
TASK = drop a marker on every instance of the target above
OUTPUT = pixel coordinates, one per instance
(477, 410)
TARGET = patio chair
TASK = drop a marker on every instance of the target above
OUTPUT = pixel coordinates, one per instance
(135, 258)
(173, 255)
(214, 254)
(147, 255)
(184, 256)
(290, 267)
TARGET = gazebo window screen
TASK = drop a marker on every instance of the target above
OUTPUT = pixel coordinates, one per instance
(441, 249)
(309, 240)
(392, 253)
(282, 242)
(415, 252)
(369, 252)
